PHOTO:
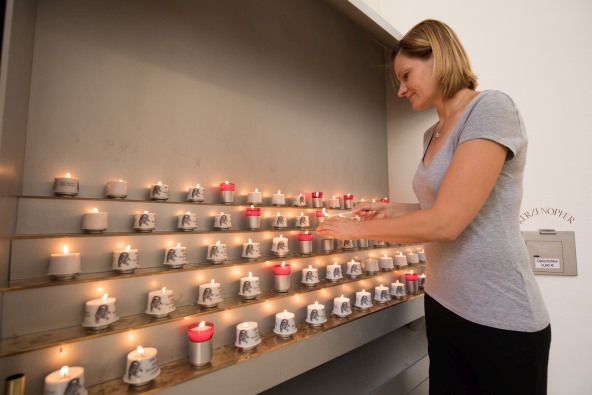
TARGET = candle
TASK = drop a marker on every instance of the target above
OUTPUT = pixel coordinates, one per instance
(385, 200)
(251, 250)
(142, 366)
(279, 246)
(100, 313)
(222, 221)
(317, 199)
(421, 280)
(333, 272)
(282, 277)
(321, 215)
(412, 283)
(299, 201)
(398, 289)
(342, 306)
(381, 294)
(200, 343)
(362, 243)
(253, 218)
(378, 244)
(116, 189)
(327, 245)
(254, 197)
(371, 265)
(196, 194)
(347, 244)
(412, 258)
(187, 222)
(421, 256)
(247, 335)
(278, 199)
(217, 252)
(126, 260)
(209, 294)
(285, 324)
(94, 221)
(354, 269)
(334, 203)
(67, 380)
(279, 221)
(64, 266)
(159, 191)
(400, 260)
(175, 257)
(363, 300)
(385, 263)
(348, 201)
(315, 314)
(310, 276)
(227, 192)
(303, 221)
(249, 287)
(145, 222)
(66, 186)
(305, 241)
(160, 303)
(201, 332)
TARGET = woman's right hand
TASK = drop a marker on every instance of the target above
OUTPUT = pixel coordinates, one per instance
(369, 211)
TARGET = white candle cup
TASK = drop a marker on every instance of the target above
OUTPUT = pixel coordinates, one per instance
(299, 201)
(421, 280)
(400, 260)
(66, 186)
(59, 382)
(412, 258)
(251, 251)
(209, 295)
(379, 244)
(421, 256)
(279, 246)
(333, 203)
(386, 263)
(142, 367)
(315, 314)
(354, 269)
(279, 221)
(278, 199)
(145, 222)
(222, 221)
(333, 272)
(310, 276)
(217, 253)
(94, 222)
(362, 244)
(116, 189)
(175, 257)
(285, 324)
(125, 261)
(159, 192)
(100, 313)
(249, 287)
(254, 198)
(187, 222)
(347, 244)
(160, 303)
(64, 266)
(327, 245)
(398, 289)
(196, 194)
(303, 221)
(363, 300)
(371, 266)
(342, 306)
(247, 335)
(381, 294)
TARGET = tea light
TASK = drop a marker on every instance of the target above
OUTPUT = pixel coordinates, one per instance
(303, 221)
(160, 303)
(249, 287)
(187, 222)
(64, 266)
(411, 280)
(282, 277)
(348, 201)
(305, 241)
(217, 253)
(251, 250)
(279, 221)
(116, 189)
(398, 289)
(412, 258)
(386, 263)
(315, 314)
(333, 203)
(421, 280)
(145, 222)
(227, 192)
(342, 306)
(299, 201)
(310, 276)
(196, 194)
(126, 260)
(285, 324)
(400, 259)
(381, 294)
(253, 218)
(142, 366)
(347, 244)
(209, 294)
(279, 246)
(333, 272)
(385, 200)
(175, 257)
(100, 313)
(421, 256)
(278, 199)
(321, 215)
(363, 300)
(371, 265)
(247, 335)
(200, 343)
(222, 221)
(254, 197)
(327, 245)
(317, 199)
(354, 269)
(66, 186)
(67, 380)
(159, 191)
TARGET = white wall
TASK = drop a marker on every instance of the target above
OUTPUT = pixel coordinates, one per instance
(538, 52)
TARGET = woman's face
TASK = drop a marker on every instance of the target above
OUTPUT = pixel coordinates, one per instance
(417, 82)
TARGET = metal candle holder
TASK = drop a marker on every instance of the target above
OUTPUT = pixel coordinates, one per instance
(200, 353)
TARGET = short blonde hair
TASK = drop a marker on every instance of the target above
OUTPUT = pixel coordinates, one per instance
(432, 38)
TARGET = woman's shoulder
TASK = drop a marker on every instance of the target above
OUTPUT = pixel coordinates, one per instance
(494, 97)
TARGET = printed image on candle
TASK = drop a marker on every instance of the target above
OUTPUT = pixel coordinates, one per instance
(144, 220)
(207, 294)
(284, 326)
(123, 259)
(171, 255)
(345, 308)
(157, 190)
(243, 336)
(134, 370)
(364, 300)
(354, 269)
(73, 386)
(155, 303)
(314, 315)
(309, 276)
(214, 251)
(383, 294)
(223, 220)
(302, 220)
(250, 250)
(186, 220)
(301, 200)
(102, 313)
(281, 246)
(247, 287)
(348, 244)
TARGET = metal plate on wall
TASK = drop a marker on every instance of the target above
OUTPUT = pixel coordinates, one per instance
(552, 252)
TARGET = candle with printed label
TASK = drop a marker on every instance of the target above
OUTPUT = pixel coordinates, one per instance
(187, 222)
(303, 221)
(142, 366)
(310, 276)
(249, 287)
(196, 194)
(400, 259)
(381, 294)
(222, 221)
(145, 222)
(342, 306)
(126, 260)
(175, 257)
(159, 191)
(333, 272)
(116, 189)
(217, 253)
(386, 263)
(371, 266)
(64, 266)
(100, 313)
(299, 201)
(397, 289)
(160, 303)
(251, 251)
(209, 294)
(285, 324)
(247, 335)
(66, 186)
(354, 269)
(363, 300)
(67, 380)
(279, 221)
(279, 246)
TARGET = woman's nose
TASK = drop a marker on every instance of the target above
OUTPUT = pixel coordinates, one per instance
(402, 89)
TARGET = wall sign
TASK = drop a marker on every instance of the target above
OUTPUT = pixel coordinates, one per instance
(556, 212)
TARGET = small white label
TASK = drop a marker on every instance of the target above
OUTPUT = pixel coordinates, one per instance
(547, 263)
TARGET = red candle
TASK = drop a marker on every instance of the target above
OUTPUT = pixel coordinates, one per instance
(385, 200)
(322, 213)
(253, 211)
(317, 194)
(348, 197)
(282, 269)
(227, 186)
(201, 332)
(305, 236)
(411, 276)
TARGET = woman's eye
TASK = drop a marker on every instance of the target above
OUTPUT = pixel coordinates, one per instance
(405, 76)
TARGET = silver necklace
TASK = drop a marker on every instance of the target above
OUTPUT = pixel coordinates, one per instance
(454, 110)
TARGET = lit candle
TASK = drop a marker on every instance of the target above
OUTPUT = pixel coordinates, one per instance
(371, 265)
(279, 246)
(217, 252)
(160, 303)
(412, 258)
(282, 277)
(66, 186)
(285, 324)
(347, 244)
(126, 260)
(142, 366)
(227, 192)
(247, 335)
(200, 343)
(94, 221)
(100, 313)
(385, 200)
(278, 199)
(299, 201)
(201, 332)
(196, 194)
(67, 380)
(145, 222)
(251, 250)
(317, 199)
(64, 266)
(342, 306)
(321, 215)
(209, 294)
(175, 257)
(412, 283)
(303, 221)
(116, 189)
(421, 256)
(310, 276)
(363, 300)
(381, 294)
(333, 272)
(354, 269)
(305, 241)
(400, 259)
(279, 221)
(422, 280)
(222, 221)
(315, 314)
(254, 197)
(159, 191)
(253, 218)
(249, 287)
(334, 203)
(398, 289)
(348, 201)
(187, 222)
(386, 263)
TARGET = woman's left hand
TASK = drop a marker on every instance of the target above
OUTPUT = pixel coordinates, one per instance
(340, 228)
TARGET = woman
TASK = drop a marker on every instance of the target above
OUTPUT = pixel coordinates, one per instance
(487, 326)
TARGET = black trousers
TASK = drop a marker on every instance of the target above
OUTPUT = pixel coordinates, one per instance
(468, 358)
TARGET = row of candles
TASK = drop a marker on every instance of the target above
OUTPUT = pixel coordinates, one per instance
(117, 189)
(142, 363)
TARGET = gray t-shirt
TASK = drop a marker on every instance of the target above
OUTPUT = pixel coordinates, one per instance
(484, 275)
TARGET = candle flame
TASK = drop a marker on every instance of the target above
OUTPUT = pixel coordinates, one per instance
(309, 267)
(363, 290)
(188, 212)
(385, 255)
(163, 289)
(104, 298)
(68, 175)
(201, 324)
(226, 182)
(197, 186)
(411, 272)
(159, 183)
(250, 275)
(212, 281)
(301, 214)
(221, 213)
(250, 241)
(284, 264)
(140, 350)
(333, 196)
(252, 206)
(278, 214)
(145, 212)
(127, 247)
(306, 232)
(279, 191)
(66, 250)
(218, 242)
(95, 210)
(64, 371)
(281, 236)
(245, 325)
(285, 312)
(316, 304)
(341, 296)
(256, 190)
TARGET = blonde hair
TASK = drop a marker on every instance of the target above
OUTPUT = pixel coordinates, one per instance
(432, 38)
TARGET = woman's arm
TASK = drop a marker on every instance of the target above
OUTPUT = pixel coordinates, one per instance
(381, 210)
